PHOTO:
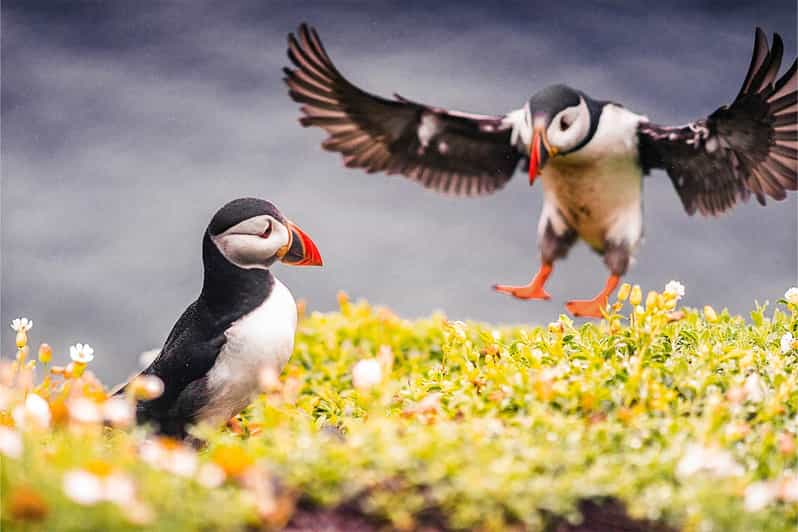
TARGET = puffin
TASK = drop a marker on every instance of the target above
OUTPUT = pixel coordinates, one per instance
(243, 320)
(590, 155)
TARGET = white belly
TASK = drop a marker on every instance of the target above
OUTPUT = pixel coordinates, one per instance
(600, 202)
(598, 188)
(264, 337)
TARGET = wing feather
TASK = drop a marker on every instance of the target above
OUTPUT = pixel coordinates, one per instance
(749, 146)
(447, 151)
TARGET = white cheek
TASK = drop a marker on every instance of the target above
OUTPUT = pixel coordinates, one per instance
(252, 251)
(571, 137)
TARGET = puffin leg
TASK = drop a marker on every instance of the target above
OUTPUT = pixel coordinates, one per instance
(616, 257)
(533, 290)
(553, 246)
(592, 308)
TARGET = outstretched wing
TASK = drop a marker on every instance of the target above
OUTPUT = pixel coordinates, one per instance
(450, 152)
(750, 146)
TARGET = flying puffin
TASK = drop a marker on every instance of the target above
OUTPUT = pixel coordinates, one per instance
(244, 319)
(591, 155)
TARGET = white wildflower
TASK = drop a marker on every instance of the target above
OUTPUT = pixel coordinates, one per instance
(459, 328)
(84, 411)
(754, 388)
(119, 412)
(10, 442)
(366, 373)
(22, 324)
(791, 295)
(789, 489)
(146, 387)
(675, 288)
(786, 343)
(35, 412)
(169, 455)
(86, 488)
(81, 353)
(83, 487)
(715, 462)
(211, 476)
(758, 496)
(118, 488)
(268, 378)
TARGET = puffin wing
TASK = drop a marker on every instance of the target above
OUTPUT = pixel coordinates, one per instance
(187, 356)
(748, 147)
(450, 152)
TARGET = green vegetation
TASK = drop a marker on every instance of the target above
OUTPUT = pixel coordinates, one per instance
(689, 418)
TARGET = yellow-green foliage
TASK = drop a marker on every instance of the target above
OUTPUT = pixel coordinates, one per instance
(687, 417)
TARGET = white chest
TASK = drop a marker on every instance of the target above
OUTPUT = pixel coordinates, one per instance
(598, 188)
(264, 337)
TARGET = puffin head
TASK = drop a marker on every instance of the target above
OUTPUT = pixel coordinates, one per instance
(561, 121)
(252, 233)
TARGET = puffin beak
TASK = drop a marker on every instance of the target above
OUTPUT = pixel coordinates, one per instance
(301, 250)
(539, 151)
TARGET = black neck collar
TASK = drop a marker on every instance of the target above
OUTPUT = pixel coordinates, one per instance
(229, 292)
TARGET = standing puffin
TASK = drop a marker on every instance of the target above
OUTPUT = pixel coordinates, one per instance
(244, 319)
(591, 155)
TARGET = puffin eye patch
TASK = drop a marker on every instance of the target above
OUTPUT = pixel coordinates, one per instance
(268, 231)
(565, 122)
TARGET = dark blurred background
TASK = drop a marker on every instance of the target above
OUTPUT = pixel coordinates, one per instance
(127, 124)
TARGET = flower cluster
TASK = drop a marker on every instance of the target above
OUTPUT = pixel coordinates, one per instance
(686, 417)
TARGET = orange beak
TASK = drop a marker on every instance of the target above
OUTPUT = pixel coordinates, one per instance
(301, 250)
(539, 152)
(534, 157)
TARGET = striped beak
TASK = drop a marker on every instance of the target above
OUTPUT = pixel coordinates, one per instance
(301, 250)
(539, 151)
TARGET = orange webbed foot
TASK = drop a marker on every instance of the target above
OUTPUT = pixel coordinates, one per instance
(533, 290)
(529, 291)
(593, 308)
(587, 308)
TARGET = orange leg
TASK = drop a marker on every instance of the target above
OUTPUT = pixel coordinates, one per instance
(533, 290)
(592, 308)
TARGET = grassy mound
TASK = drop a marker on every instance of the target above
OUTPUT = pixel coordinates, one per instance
(672, 418)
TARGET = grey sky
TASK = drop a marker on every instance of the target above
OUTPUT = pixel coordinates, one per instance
(127, 124)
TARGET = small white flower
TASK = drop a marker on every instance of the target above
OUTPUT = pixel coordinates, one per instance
(83, 487)
(675, 288)
(81, 353)
(35, 412)
(786, 343)
(22, 324)
(791, 295)
(84, 410)
(211, 475)
(754, 388)
(169, 455)
(146, 387)
(119, 412)
(715, 462)
(183, 462)
(10, 443)
(459, 328)
(268, 379)
(118, 488)
(789, 489)
(87, 489)
(366, 373)
(758, 496)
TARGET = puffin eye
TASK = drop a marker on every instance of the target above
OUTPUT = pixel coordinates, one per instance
(268, 231)
(565, 123)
